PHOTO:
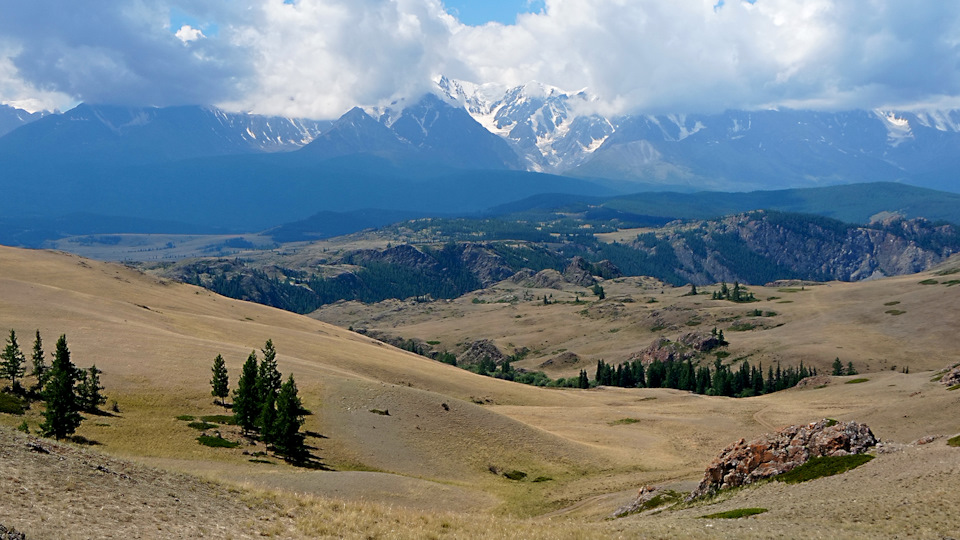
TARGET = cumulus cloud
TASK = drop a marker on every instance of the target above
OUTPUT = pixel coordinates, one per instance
(187, 33)
(320, 57)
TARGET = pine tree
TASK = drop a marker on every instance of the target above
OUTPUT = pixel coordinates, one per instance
(267, 419)
(287, 439)
(850, 369)
(89, 390)
(837, 367)
(12, 359)
(40, 367)
(246, 403)
(61, 417)
(220, 382)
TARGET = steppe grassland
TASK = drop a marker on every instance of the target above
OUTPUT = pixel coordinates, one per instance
(156, 340)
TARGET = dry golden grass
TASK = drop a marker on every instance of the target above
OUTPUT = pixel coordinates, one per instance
(424, 471)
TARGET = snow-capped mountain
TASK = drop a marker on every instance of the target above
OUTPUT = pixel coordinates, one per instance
(101, 133)
(558, 131)
(11, 118)
(428, 130)
(549, 128)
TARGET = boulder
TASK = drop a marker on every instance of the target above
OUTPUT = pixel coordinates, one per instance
(952, 377)
(744, 463)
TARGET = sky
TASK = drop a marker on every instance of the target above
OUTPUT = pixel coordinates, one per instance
(319, 58)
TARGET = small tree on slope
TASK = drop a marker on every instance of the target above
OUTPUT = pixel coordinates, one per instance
(220, 382)
(61, 417)
(12, 360)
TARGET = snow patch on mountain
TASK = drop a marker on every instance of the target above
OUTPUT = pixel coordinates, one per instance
(898, 127)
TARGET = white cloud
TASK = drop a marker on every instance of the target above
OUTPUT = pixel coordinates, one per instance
(320, 57)
(187, 33)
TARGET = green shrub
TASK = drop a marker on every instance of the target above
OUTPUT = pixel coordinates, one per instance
(929, 282)
(735, 514)
(895, 312)
(741, 326)
(953, 441)
(216, 442)
(856, 381)
(380, 412)
(820, 467)
(515, 475)
(542, 479)
(11, 404)
(623, 421)
(201, 425)
(23, 427)
(895, 302)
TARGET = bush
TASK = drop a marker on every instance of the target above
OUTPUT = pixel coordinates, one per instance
(953, 441)
(201, 425)
(216, 442)
(820, 467)
(735, 514)
(11, 404)
(856, 381)
(515, 475)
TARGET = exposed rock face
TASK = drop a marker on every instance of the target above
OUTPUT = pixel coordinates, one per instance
(547, 279)
(579, 273)
(487, 266)
(403, 255)
(478, 350)
(744, 463)
(568, 358)
(607, 270)
(645, 495)
(687, 346)
(11, 534)
(952, 378)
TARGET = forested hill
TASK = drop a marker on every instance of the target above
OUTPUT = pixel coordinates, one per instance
(436, 258)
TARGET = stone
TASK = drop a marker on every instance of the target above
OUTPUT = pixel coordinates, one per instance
(744, 463)
(952, 377)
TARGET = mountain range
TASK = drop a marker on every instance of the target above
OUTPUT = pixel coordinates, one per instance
(463, 148)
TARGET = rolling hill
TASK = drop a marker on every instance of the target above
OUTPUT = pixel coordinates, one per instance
(424, 464)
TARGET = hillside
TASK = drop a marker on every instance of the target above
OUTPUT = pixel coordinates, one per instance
(155, 341)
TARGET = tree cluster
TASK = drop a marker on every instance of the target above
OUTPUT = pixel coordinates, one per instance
(66, 389)
(735, 294)
(265, 404)
(838, 369)
(722, 380)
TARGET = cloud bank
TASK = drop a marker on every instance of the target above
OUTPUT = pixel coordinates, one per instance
(317, 58)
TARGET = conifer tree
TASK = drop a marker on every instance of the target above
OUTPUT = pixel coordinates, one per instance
(11, 360)
(269, 381)
(850, 369)
(40, 367)
(61, 417)
(89, 390)
(246, 403)
(287, 439)
(837, 367)
(220, 382)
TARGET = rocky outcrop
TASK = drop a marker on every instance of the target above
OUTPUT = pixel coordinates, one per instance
(403, 255)
(546, 279)
(568, 358)
(11, 534)
(952, 377)
(478, 350)
(579, 272)
(607, 270)
(744, 463)
(487, 266)
(688, 346)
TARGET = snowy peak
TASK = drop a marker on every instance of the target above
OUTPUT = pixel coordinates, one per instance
(541, 122)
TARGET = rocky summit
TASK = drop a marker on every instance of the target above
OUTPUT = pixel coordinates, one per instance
(744, 463)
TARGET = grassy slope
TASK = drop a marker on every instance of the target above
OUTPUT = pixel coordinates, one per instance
(157, 359)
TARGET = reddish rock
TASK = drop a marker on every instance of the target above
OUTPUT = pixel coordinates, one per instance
(744, 463)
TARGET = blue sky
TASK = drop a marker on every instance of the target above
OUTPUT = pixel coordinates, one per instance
(477, 12)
